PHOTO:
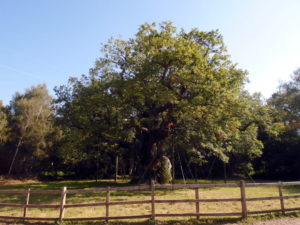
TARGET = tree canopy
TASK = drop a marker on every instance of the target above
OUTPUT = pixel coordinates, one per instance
(30, 122)
(3, 124)
(159, 84)
(281, 153)
(163, 100)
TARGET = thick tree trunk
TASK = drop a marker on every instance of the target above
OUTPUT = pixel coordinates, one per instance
(150, 154)
(152, 138)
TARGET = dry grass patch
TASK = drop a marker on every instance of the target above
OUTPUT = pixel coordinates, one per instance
(143, 209)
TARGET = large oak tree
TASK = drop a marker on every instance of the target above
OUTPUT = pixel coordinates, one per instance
(157, 85)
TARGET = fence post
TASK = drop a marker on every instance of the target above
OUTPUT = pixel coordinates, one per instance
(197, 202)
(62, 202)
(281, 197)
(243, 198)
(26, 202)
(152, 200)
(107, 203)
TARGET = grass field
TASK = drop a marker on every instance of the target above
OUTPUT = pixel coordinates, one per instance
(205, 193)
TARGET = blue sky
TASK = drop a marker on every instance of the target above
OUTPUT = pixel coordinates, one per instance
(48, 41)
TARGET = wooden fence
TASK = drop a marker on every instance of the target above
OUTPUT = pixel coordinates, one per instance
(152, 201)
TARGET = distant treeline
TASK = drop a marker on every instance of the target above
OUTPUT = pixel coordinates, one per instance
(162, 101)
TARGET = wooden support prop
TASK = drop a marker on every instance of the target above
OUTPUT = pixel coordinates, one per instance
(152, 200)
(26, 202)
(117, 168)
(243, 198)
(197, 202)
(281, 197)
(62, 203)
(107, 203)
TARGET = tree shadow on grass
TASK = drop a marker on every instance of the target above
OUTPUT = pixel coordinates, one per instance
(48, 198)
(291, 189)
(73, 198)
(54, 185)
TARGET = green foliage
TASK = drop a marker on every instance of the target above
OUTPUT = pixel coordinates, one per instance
(160, 93)
(30, 123)
(281, 153)
(31, 118)
(3, 124)
(286, 100)
(161, 83)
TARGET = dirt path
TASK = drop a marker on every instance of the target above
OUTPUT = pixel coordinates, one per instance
(281, 221)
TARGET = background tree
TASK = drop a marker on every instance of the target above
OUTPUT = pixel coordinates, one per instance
(30, 122)
(4, 136)
(3, 124)
(91, 127)
(253, 117)
(281, 155)
(287, 100)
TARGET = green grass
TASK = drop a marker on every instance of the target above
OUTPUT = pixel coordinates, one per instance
(205, 193)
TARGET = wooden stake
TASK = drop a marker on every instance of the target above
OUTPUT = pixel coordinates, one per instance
(152, 200)
(62, 202)
(173, 160)
(26, 202)
(197, 203)
(117, 168)
(243, 198)
(107, 203)
(281, 197)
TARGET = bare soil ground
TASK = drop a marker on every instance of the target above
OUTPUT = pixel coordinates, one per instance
(16, 182)
(280, 221)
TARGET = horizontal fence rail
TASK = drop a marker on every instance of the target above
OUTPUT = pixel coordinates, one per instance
(152, 201)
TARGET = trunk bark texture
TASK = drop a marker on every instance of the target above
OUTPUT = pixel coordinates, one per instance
(149, 157)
